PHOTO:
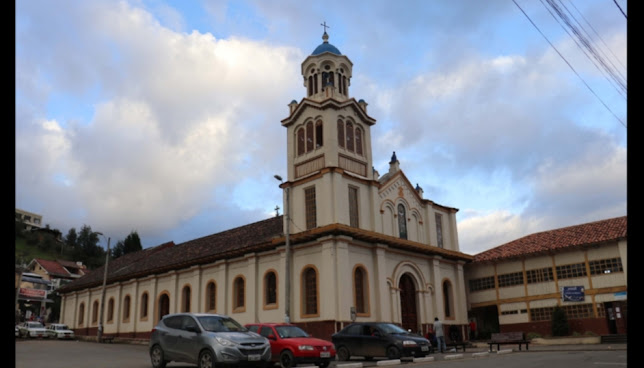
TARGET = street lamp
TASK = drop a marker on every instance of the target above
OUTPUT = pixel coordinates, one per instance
(99, 337)
(287, 308)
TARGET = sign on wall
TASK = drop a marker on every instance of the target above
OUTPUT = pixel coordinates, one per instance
(27, 293)
(572, 293)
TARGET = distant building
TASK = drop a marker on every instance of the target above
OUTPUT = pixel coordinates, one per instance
(30, 219)
(39, 279)
(515, 286)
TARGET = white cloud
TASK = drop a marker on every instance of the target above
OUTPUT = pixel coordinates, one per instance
(482, 231)
(166, 127)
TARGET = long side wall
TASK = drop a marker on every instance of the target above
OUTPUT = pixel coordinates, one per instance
(334, 259)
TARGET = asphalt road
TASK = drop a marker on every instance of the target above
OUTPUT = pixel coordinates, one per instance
(83, 354)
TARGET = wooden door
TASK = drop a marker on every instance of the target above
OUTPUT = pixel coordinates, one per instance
(408, 303)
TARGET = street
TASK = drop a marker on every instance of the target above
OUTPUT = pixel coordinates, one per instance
(82, 354)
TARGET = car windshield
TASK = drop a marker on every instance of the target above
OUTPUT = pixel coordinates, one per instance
(290, 331)
(62, 327)
(35, 325)
(220, 324)
(391, 328)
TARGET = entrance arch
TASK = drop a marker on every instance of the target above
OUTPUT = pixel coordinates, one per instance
(163, 306)
(408, 302)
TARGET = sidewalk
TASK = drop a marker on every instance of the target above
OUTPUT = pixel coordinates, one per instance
(484, 346)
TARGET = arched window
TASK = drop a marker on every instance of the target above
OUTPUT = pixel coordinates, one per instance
(270, 288)
(350, 137)
(341, 133)
(318, 134)
(310, 85)
(300, 142)
(126, 308)
(238, 293)
(95, 311)
(447, 301)
(402, 221)
(81, 314)
(361, 290)
(309, 137)
(185, 299)
(211, 297)
(110, 310)
(358, 134)
(310, 291)
(144, 306)
(164, 305)
(344, 85)
(315, 83)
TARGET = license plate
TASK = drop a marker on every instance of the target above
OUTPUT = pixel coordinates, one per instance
(424, 348)
(325, 354)
(254, 357)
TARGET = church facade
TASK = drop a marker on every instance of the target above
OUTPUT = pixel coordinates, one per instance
(352, 245)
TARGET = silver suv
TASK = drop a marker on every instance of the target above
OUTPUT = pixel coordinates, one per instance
(206, 340)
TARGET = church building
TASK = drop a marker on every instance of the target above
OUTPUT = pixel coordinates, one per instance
(352, 245)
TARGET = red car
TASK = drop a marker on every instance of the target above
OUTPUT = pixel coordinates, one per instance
(290, 345)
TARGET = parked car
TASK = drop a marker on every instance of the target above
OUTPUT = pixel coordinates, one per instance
(206, 340)
(376, 339)
(17, 331)
(32, 329)
(59, 331)
(291, 345)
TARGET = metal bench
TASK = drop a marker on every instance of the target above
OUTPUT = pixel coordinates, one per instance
(505, 338)
(109, 339)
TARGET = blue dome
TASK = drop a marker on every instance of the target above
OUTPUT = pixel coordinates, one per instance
(326, 47)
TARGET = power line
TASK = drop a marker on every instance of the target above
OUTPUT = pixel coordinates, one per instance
(586, 45)
(620, 8)
(600, 38)
(566, 61)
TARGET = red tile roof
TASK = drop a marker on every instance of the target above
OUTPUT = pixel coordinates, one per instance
(168, 256)
(53, 268)
(559, 239)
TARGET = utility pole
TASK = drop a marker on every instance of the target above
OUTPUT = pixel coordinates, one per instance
(99, 337)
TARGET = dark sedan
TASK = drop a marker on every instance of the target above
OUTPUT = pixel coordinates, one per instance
(377, 339)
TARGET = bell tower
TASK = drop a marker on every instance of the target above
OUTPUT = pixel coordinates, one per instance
(330, 173)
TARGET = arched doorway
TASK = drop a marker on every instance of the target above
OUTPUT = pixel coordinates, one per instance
(164, 306)
(408, 302)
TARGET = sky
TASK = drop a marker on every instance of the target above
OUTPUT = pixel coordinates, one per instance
(164, 117)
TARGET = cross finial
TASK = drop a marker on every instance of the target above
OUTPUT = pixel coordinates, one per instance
(277, 211)
(325, 26)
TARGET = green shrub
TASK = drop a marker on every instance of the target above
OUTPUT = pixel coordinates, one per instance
(559, 322)
(533, 335)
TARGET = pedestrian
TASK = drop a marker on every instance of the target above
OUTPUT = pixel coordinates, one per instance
(440, 336)
(472, 329)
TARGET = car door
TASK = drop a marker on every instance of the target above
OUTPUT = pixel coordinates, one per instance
(270, 333)
(168, 336)
(189, 341)
(371, 342)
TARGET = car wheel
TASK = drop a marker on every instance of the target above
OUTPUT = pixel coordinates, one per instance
(206, 359)
(393, 352)
(286, 359)
(343, 353)
(156, 356)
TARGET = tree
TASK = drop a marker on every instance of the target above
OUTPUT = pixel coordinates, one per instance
(89, 252)
(71, 240)
(117, 250)
(559, 322)
(131, 244)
